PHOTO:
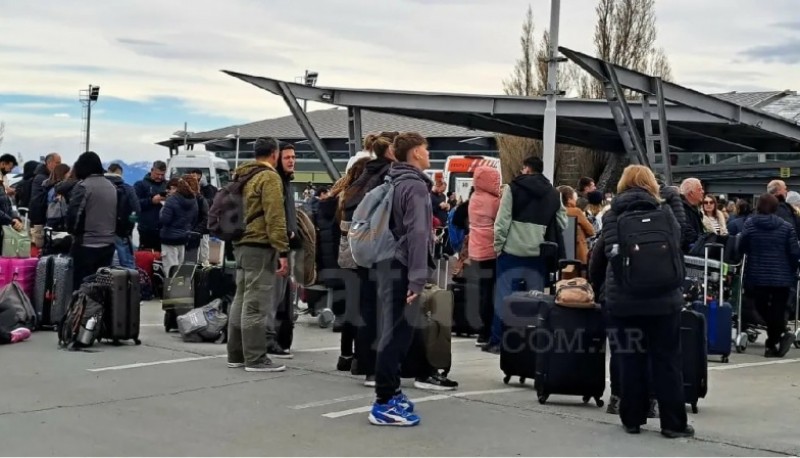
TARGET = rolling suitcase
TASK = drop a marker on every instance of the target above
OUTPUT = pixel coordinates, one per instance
(53, 289)
(571, 353)
(23, 271)
(212, 282)
(121, 315)
(145, 259)
(432, 339)
(179, 294)
(718, 313)
(520, 323)
(695, 359)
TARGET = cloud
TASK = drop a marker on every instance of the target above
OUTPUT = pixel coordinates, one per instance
(787, 53)
(791, 25)
(61, 115)
(31, 105)
(138, 42)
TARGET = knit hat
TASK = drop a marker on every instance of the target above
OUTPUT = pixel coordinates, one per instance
(793, 198)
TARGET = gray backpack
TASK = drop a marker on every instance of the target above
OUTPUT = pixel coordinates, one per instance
(370, 236)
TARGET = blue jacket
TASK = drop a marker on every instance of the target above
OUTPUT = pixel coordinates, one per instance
(736, 225)
(178, 217)
(145, 190)
(772, 250)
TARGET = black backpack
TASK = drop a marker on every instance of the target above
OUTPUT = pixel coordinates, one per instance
(227, 219)
(124, 226)
(87, 304)
(650, 261)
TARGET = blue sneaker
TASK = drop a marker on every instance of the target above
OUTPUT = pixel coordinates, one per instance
(392, 414)
(403, 401)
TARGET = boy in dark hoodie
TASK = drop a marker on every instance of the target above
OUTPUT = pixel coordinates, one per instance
(402, 279)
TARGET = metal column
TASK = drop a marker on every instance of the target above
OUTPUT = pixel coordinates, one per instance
(354, 130)
(623, 117)
(662, 130)
(308, 131)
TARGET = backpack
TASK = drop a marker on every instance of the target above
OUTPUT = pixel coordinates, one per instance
(13, 296)
(305, 269)
(455, 233)
(370, 236)
(124, 226)
(87, 305)
(226, 217)
(650, 261)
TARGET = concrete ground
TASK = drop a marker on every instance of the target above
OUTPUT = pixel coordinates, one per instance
(169, 398)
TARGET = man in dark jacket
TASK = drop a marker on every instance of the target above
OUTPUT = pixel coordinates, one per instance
(125, 216)
(38, 204)
(152, 192)
(22, 195)
(91, 217)
(785, 211)
(402, 279)
(530, 214)
(692, 226)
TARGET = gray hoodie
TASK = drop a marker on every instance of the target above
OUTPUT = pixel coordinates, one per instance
(412, 223)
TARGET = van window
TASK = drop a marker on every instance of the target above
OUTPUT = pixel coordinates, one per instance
(224, 176)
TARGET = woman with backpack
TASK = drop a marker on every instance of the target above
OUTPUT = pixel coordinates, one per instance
(639, 250)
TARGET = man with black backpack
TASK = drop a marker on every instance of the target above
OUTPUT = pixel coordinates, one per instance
(127, 207)
(249, 212)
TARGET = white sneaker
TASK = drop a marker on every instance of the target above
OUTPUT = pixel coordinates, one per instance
(265, 367)
(370, 381)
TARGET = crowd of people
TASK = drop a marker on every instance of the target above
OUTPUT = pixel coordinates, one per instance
(505, 249)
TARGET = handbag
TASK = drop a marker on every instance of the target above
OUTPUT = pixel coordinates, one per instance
(16, 244)
(345, 259)
(575, 293)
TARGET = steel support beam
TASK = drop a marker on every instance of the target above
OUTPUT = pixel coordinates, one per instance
(622, 114)
(663, 129)
(308, 130)
(354, 130)
(713, 106)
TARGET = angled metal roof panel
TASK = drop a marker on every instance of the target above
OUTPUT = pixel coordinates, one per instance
(749, 99)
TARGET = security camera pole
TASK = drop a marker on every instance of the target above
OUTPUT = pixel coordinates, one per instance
(88, 97)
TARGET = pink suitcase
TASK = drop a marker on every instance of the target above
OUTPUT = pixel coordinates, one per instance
(21, 270)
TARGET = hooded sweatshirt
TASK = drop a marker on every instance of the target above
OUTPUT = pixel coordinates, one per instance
(265, 210)
(24, 187)
(529, 204)
(772, 250)
(411, 223)
(483, 207)
(374, 173)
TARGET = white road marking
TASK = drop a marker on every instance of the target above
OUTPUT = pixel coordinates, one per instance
(314, 350)
(435, 397)
(151, 325)
(328, 402)
(729, 367)
(154, 363)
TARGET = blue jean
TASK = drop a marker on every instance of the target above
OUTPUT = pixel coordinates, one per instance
(124, 252)
(511, 272)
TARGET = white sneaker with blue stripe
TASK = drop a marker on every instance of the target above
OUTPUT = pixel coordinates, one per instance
(392, 414)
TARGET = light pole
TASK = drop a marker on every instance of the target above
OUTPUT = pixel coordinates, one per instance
(88, 97)
(310, 80)
(238, 138)
(549, 138)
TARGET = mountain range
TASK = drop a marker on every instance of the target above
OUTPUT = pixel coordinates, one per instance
(133, 172)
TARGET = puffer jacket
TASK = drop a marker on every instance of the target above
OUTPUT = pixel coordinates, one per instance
(692, 227)
(177, 219)
(619, 302)
(483, 207)
(772, 250)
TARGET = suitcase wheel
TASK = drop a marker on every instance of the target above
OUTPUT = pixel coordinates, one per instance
(694, 408)
(542, 398)
(522, 380)
(797, 339)
(137, 341)
(598, 401)
(506, 379)
(725, 359)
(741, 343)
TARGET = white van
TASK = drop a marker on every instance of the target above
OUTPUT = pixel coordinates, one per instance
(216, 171)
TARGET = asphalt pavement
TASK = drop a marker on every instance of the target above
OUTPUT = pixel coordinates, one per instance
(169, 398)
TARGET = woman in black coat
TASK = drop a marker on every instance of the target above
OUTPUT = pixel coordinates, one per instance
(772, 250)
(648, 325)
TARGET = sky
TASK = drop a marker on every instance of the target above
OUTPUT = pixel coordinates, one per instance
(158, 62)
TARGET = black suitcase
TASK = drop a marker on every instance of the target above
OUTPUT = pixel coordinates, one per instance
(466, 309)
(571, 353)
(695, 357)
(121, 317)
(520, 324)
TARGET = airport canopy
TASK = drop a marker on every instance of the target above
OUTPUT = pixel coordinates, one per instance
(697, 123)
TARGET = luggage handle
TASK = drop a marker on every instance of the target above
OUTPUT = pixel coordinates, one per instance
(706, 258)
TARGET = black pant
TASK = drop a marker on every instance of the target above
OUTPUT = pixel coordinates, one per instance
(284, 322)
(771, 305)
(486, 271)
(397, 326)
(8, 316)
(88, 259)
(645, 343)
(367, 324)
(150, 239)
